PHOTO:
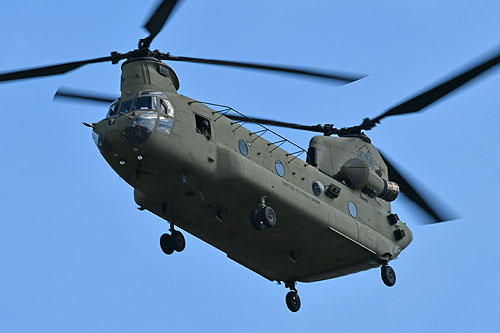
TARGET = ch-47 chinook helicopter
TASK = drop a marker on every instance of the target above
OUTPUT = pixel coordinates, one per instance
(203, 171)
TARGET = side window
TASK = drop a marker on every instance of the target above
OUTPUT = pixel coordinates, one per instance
(166, 107)
(280, 168)
(203, 126)
(113, 108)
(166, 115)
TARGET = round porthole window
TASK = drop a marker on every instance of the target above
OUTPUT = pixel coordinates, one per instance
(353, 210)
(317, 188)
(242, 145)
(280, 168)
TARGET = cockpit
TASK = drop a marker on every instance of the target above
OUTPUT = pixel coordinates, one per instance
(144, 101)
(153, 113)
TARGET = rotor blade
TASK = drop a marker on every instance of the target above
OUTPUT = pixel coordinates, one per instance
(315, 128)
(442, 89)
(83, 96)
(441, 214)
(338, 76)
(50, 70)
(159, 17)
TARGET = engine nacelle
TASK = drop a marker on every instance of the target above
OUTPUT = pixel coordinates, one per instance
(357, 174)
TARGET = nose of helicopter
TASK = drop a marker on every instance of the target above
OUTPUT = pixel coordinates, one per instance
(140, 129)
(108, 133)
(98, 129)
(119, 134)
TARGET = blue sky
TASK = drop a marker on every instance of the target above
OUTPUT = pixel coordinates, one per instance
(78, 256)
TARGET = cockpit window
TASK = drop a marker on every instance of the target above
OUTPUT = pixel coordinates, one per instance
(145, 103)
(166, 107)
(147, 100)
(125, 106)
(152, 93)
(113, 108)
(165, 125)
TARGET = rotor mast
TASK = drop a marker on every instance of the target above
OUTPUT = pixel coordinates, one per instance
(149, 72)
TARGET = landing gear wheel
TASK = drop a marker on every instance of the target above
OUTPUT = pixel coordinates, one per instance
(293, 301)
(255, 219)
(178, 241)
(268, 216)
(166, 244)
(388, 275)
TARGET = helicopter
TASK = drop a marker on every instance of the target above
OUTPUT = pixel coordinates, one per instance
(271, 212)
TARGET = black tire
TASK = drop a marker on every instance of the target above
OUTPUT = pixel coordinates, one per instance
(293, 301)
(268, 216)
(255, 220)
(178, 241)
(166, 244)
(388, 275)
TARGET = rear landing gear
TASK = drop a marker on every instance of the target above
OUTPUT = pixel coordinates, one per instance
(388, 275)
(264, 216)
(292, 298)
(255, 220)
(172, 242)
(268, 216)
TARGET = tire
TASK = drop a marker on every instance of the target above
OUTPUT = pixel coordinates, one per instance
(388, 275)
(268, 216)
(255, 220)
(178, 241)
(293, 301)
(166, 244)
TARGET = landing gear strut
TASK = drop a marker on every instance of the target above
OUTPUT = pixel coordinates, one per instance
(388, 275)
(264, 216)
(172, 242)
(292, 298)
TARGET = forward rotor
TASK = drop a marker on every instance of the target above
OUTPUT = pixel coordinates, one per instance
(154, 25)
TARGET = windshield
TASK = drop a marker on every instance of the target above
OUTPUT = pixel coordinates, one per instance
(145, 103)
(142, 102)
(125, 106)
(152, 93)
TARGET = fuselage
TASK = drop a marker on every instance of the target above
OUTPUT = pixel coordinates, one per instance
(204, 173)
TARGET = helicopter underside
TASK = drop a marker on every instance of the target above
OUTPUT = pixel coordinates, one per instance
(289, 252)
(301, 247)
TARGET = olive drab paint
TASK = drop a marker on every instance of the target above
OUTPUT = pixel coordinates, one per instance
(196, 177)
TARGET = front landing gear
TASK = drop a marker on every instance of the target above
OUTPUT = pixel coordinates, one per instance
(166, 244)
(172, 242)
(292, 298)
(388, 275)
(178, 240)
(293, 301)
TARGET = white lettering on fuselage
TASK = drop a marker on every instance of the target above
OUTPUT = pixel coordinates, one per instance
(301, 192)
